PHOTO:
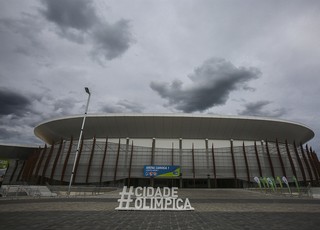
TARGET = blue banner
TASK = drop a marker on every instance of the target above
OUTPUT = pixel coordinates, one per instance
(161, 171)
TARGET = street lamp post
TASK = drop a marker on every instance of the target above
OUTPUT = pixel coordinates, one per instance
(79, 141)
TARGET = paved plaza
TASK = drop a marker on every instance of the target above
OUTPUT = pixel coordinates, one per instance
(214, 209)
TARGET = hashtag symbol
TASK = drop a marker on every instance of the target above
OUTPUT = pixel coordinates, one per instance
(125, 198)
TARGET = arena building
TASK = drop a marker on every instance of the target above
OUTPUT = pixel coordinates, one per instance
(210, 151)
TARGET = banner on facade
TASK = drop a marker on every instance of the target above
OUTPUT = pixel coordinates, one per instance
(161, 171)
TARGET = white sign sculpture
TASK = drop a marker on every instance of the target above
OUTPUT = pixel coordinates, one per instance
(149, 198)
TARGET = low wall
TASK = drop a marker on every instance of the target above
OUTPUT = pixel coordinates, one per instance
(315, 193)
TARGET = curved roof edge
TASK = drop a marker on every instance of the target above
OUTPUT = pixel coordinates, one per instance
(174, 125)
(171, 115)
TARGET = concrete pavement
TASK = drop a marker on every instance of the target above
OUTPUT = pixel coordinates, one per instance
(214, 209)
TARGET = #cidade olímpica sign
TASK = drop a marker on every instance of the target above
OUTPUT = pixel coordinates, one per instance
(149, 198)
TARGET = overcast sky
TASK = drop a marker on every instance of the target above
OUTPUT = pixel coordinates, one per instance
(230, 57)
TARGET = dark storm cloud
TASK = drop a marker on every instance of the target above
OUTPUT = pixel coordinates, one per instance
(211, 85)
(15, 107)
(21, 113)
(259, 109)
(77, 14)
(78, 22)
(12, 102)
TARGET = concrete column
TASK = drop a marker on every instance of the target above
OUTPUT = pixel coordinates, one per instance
(280, 159)
(152, 159)
(257, 157)
(90, 160)
(246, 162)
(180, 161)
(207, 155)
(130, 165)
(300, 163)
(103, 160)
(270, 161)
(233, 164)
(126, 156)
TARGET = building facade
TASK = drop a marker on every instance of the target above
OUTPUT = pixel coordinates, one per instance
(211, 151)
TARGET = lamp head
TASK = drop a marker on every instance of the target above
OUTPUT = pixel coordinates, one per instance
(87, 90)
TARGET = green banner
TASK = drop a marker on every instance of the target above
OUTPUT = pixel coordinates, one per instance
(280, 182)
(297, 183)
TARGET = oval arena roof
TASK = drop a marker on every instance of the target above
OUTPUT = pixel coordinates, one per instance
(186, 126)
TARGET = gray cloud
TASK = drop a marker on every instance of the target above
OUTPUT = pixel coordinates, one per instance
(11, 136)
(12, 102)
(212, 83)
(7, 134)
(21, 36)
(63, 106)
(259, 109)
(77, 14)
(123, 106)
(112, 41)
(78, 22)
